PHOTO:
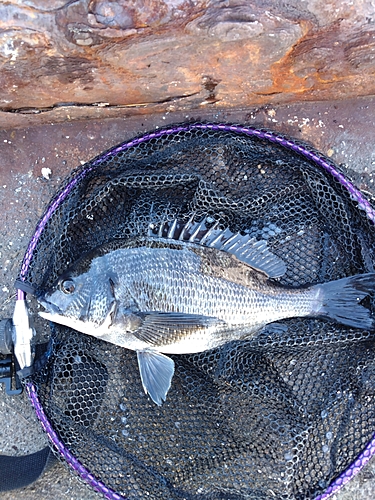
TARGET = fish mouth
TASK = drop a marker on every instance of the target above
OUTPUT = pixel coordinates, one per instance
(51, 312)
(55, 315)
(50, 309)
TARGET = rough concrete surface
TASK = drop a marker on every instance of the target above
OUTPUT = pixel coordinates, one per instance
(34, 160)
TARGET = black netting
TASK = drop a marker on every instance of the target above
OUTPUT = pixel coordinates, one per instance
(276, 416)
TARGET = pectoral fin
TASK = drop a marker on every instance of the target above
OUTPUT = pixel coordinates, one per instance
(156, 371)
(161, 328)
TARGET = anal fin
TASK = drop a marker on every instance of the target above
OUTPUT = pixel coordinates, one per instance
(156, 372)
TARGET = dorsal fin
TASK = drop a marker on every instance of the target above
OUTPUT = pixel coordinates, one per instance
(252, 252)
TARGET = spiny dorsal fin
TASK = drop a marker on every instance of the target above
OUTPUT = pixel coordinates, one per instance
(248, 250)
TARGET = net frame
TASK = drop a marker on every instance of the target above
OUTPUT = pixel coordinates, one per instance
(304, 150)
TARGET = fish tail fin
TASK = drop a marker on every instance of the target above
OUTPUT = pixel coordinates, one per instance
(339, 300)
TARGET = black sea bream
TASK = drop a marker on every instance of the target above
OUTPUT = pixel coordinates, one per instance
(185, 288)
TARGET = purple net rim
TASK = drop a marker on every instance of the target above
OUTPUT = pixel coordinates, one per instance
(272, 137)
(350, 472)
(64, 452)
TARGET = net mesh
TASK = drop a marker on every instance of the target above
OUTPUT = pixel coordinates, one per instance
(279, 415)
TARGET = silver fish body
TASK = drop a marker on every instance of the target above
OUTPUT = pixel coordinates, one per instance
(187, 281)
(165, 295)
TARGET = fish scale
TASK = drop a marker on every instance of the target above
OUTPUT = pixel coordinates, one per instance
(168, 293)
(180, 285)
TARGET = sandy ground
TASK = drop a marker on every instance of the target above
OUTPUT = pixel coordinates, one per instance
(34, 160)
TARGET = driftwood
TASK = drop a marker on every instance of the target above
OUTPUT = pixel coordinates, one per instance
(181, 54)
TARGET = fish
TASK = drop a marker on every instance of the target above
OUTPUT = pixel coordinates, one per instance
(187, 287)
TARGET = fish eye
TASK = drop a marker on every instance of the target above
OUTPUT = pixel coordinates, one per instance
(67, 286)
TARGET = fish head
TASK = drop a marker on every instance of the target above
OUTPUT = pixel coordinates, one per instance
(85, 302)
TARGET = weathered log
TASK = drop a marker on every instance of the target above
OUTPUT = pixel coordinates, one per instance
(182, 54)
